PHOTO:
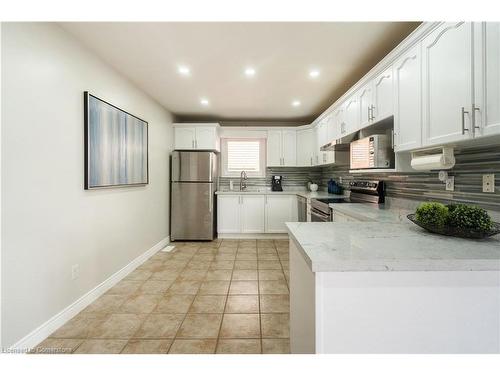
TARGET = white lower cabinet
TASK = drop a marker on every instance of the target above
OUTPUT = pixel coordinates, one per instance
(252, 214)
(279, 210)
(255, 213)
(228, 214)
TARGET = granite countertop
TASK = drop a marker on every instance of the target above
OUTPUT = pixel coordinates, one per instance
(390, 246)
(371, 212)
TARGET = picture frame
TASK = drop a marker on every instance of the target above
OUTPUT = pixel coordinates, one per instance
(116, 146)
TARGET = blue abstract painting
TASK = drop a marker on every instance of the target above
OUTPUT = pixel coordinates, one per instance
(116, 145)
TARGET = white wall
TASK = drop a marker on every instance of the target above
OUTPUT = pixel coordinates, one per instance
(49, 222)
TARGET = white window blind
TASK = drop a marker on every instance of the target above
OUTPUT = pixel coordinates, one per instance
(243, 155)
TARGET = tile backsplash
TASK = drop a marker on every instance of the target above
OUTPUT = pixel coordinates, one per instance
(468, 171)
(293, 177)
(420, 186)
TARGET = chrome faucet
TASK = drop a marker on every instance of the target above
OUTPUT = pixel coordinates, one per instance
(243, 178)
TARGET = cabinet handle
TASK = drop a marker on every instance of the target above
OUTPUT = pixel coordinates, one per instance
(392, 133)
(373, 116)
(474, 109)
(464, 129)
(311, 160)
(195, 143)
(192, 143)
(369, 115)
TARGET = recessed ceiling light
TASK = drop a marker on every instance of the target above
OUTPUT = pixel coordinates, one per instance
(184, 70)
(204, 101)
(249, 72)
(314, 73)
(296, 103)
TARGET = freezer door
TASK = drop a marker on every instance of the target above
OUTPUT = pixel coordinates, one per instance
(192, 211)
(187, 166)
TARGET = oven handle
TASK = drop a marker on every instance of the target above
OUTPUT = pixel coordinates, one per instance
(320, 214)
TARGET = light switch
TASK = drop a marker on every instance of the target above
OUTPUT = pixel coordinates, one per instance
(450, 183)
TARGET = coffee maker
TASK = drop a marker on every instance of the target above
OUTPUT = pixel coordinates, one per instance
(276, 183)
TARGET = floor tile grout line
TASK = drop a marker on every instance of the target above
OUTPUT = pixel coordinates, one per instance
(185, 316)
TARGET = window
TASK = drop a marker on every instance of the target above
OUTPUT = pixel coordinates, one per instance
(243, 154)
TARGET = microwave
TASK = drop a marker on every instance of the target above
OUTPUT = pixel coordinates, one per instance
(371, 152)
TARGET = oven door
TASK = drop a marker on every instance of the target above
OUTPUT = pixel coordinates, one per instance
(320, 216)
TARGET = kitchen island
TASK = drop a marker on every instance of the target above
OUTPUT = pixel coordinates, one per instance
(388, 286)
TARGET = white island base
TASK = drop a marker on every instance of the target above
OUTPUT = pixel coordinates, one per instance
(392, 312)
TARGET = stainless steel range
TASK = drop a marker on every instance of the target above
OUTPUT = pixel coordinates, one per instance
(362, 191)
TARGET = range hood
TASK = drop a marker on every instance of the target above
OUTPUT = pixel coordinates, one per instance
(341, 144)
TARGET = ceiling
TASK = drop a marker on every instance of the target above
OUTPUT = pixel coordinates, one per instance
(217, 54)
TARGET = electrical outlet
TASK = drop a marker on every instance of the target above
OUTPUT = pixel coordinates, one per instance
(75, 271)
(488, 183)
(450, 183)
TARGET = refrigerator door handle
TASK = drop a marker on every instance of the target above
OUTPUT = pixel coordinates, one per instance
(210, 198)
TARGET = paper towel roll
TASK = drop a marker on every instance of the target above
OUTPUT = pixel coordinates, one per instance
(428, 162)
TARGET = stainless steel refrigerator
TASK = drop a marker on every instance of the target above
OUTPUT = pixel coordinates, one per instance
(192, 195)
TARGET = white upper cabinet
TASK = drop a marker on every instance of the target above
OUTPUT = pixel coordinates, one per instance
(289, 139)
(447, 84)
(338, 121)
(332, 131)
(282, 148)
(306, 142)
(207, 138)
(366, 105)
(274, 152)
(321, 140)
(487, 78)
(184, 138)
(351, 115)
(383, 92)
(407, 98)
(196, 136)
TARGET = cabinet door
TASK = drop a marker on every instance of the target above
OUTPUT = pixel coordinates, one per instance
(184, 138)
(383, 92)
(365, 105)
(228, 214)
(407, 94)
(487, 78)
(289, 146)
(338, 121)
(320, 141)
(447, 83)
(351, 116)
(206, 138)
(332, 132)
(315, 154)
(274, 149)
(252, 214)
(305, 145)
(278, 212)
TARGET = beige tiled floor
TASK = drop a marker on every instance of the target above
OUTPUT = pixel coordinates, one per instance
(224, 296)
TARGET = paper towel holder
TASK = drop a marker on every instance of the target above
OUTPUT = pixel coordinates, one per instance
(445, 154)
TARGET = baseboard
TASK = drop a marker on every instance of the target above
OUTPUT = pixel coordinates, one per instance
(259, 236)
(46, 329)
